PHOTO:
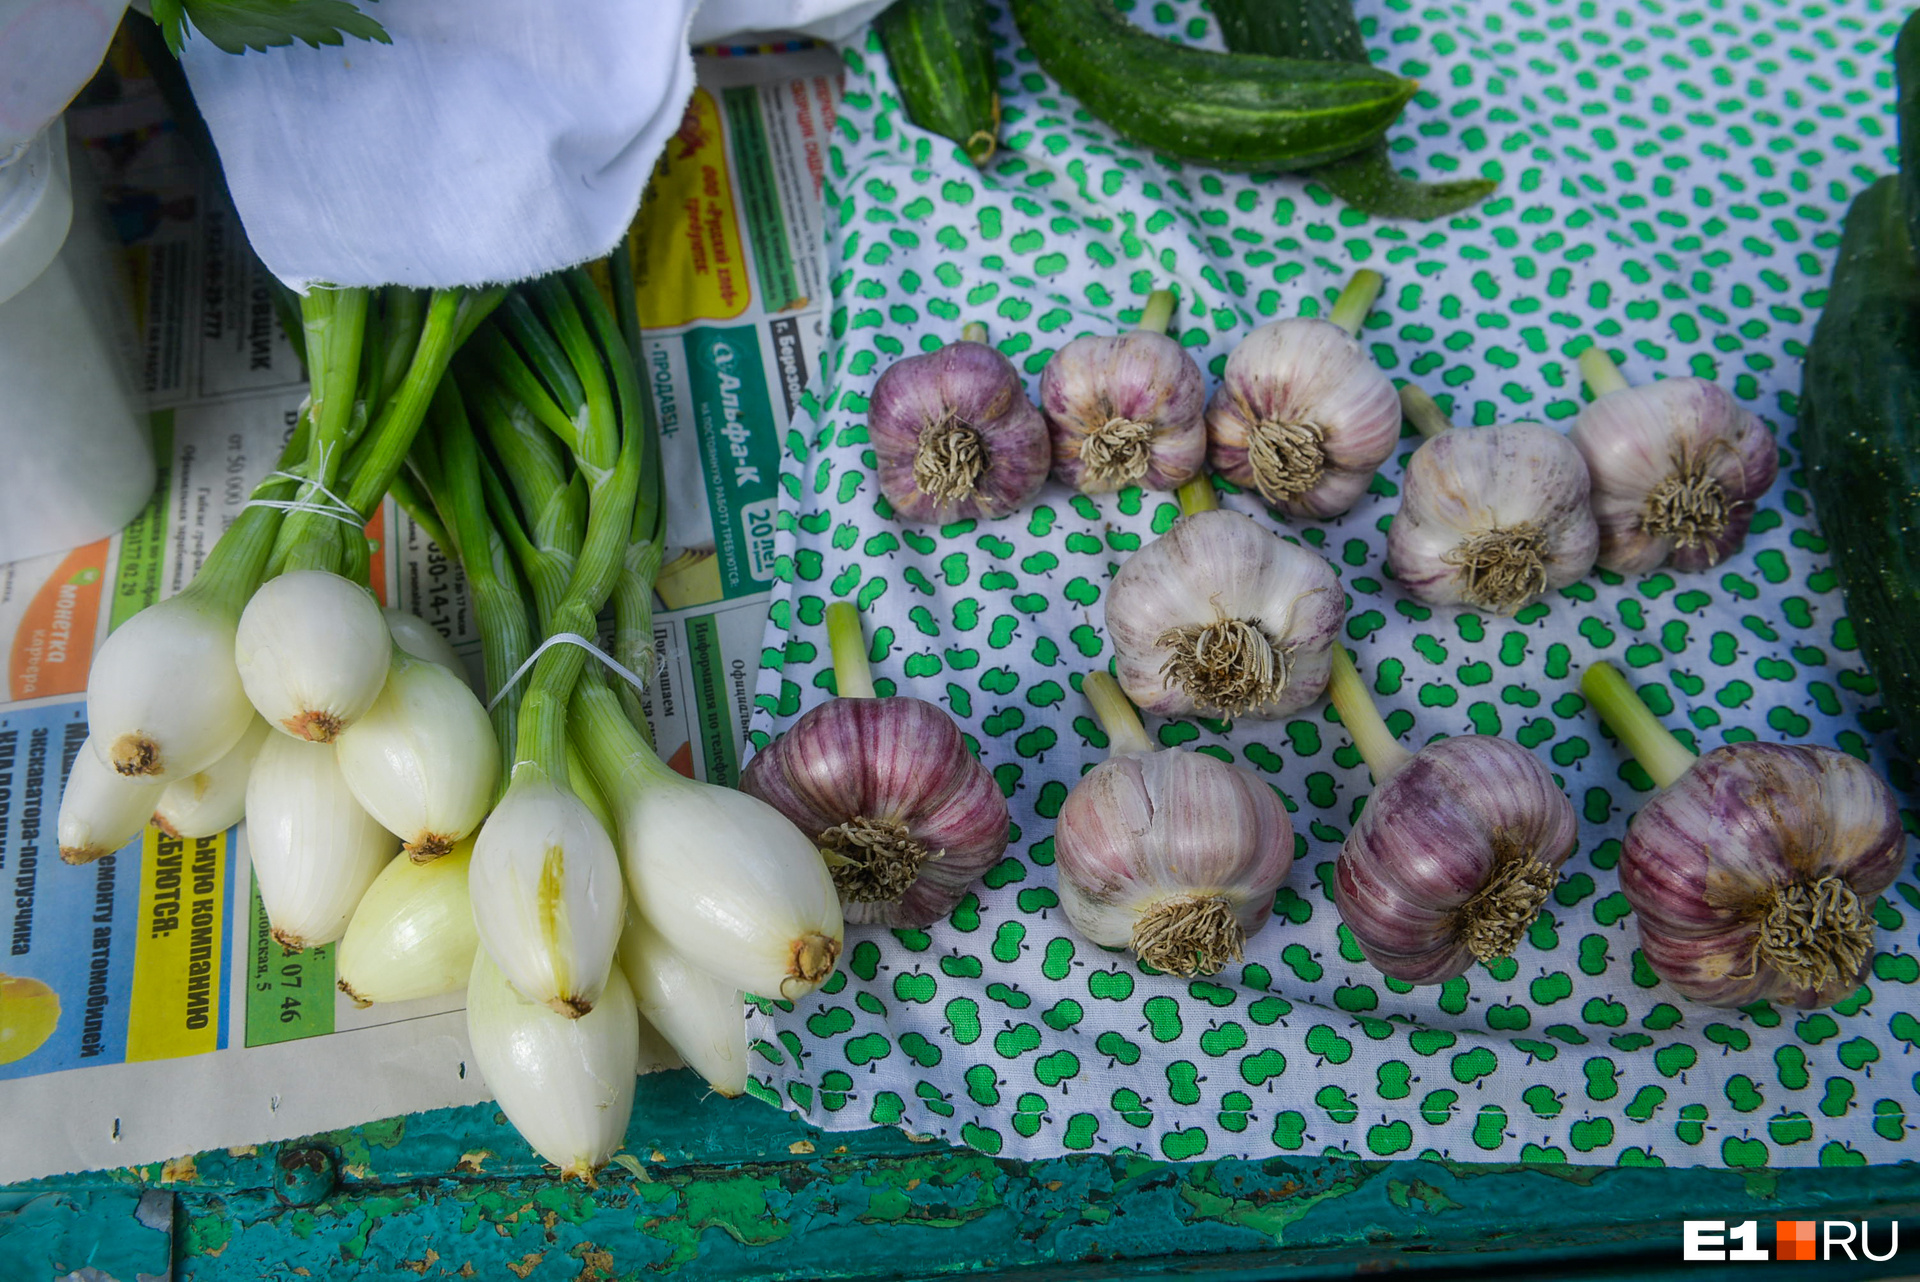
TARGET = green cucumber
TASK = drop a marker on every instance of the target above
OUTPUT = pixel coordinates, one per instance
(942, 56)
(1234, 110)
(1860, 441)
(1328, 30)
(1906, 72)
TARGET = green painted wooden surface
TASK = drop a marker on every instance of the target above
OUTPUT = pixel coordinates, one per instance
(734, 1189)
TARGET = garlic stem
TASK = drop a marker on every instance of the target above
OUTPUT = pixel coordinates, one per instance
(1125, 734)
(1601, 374)
(1423, 411)
(1197, 495)
(1354, 702)
(852, 673)
(973, 332)
(1356, 300)
(1158, 311)
(1661, 755)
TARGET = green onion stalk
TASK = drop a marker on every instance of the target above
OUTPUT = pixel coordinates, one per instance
(544, 860)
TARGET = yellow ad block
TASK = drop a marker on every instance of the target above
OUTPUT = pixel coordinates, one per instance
(686, 242)
(177, 947)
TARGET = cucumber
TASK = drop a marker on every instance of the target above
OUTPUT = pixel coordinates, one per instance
(1906, 70)
(1234, 110)
(1860, 440)
(942, 56)
(1328, 30)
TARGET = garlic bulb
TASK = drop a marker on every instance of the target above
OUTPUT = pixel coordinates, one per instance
(1302, 414)
(1754, 870)
(1491, 518)
(565, 1084)
(1220, 615)
(215, 799)
(422, 759)
(546, 893)
(164, 697)
(704, 1019)
(1677, 466)
(100, 809)
(1126, 410)
(420, 639)
(315, 851)
(954, 434)
(1457, 849)
(904, 813)
(412, 934)
(1173, 854)
(312, 650)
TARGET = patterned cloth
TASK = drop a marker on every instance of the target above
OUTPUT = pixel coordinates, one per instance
(1672, 181)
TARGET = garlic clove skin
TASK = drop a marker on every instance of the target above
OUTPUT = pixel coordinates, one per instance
(1753, 875)
(1303, 417)
(955, 437)
(1215, 581)
(1452, 858)
(890, 787)
(1493, 518)
(1677, 467)
(1173, 854)
(565, 1084)
(1123, 410)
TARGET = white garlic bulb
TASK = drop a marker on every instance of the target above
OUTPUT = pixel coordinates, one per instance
(1220, 615)
(1491, 518)
(1302, 414)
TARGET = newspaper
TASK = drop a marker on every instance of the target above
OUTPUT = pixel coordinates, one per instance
(181, 1025)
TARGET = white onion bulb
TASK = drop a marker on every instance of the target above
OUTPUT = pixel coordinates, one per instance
(729, 883)
(546, 894)
(101, 810)
(420, 639)
(315, 851)
(215, 799)
(423, 759)
(164, 697)
(703, 1018)
(565, 1084)
(412, 934)
(312, 650)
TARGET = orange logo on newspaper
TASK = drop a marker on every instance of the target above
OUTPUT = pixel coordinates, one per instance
(686, 241)
(53, 649)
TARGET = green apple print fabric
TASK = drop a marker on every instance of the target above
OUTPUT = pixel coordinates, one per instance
(1672, 181)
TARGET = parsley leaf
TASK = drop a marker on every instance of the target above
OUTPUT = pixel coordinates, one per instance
(239, 25)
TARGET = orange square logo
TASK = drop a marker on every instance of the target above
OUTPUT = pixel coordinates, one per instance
(1793, 1240)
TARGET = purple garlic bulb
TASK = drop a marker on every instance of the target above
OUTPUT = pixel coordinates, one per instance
(1173, 854)
(1677, 467)
(903, 812)
(955, 436)
(1754, 874)
(1754, 870)
(1452, 858)
(1126, 410)
(1457, 849)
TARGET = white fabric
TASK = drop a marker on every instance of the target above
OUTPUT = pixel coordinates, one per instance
(49, 49)
(492, 141)
(827, 19)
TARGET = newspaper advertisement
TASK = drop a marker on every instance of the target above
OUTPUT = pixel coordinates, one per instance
(145, 1011)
